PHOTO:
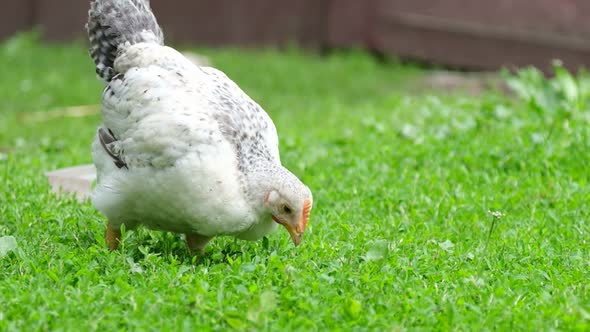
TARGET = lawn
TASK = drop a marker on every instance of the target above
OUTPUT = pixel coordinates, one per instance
(433, 210)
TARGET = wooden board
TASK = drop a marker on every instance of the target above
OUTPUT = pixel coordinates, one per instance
(485, 35)
(243, 23)
(62, 20)
(472, 34)
(15, 16)
(208, 23)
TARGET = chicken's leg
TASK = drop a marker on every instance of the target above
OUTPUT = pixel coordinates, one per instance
(113, 237)
(197, 242)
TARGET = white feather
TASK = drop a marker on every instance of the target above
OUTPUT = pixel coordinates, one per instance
(168, 118)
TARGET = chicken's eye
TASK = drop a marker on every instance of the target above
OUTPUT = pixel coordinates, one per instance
(286, 209)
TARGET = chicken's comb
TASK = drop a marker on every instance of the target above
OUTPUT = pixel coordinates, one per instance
(306, 211)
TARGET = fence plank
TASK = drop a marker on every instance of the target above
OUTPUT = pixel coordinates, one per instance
(485, 35)
(243, 23)
(15, 16)
(62, 20)
(210, 23)
(476, 34)
(351, 23)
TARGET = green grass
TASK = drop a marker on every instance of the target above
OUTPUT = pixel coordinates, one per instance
(432, 211)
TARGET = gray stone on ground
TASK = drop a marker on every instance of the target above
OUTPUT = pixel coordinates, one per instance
(474, 83)
(75, 180)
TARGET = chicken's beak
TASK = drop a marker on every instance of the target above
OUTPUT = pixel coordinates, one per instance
(296, 231)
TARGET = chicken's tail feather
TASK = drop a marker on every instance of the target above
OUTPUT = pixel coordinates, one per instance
(113, 24)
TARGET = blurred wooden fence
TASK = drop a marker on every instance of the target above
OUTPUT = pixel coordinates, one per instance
(472, 34)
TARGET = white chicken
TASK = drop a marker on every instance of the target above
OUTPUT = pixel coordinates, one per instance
(182, 148)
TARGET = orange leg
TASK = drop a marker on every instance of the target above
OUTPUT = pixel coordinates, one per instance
(113, 237)
(196, 242)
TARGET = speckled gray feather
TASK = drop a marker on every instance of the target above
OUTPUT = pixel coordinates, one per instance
(112, 24)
